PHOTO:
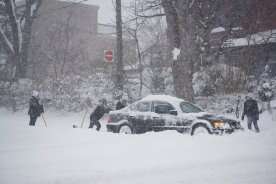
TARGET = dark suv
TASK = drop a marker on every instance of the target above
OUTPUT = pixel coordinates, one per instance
(163, 112)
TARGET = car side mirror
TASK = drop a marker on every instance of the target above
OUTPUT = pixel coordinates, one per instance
(173, 112)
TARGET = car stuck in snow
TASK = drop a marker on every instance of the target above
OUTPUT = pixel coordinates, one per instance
(164, 112)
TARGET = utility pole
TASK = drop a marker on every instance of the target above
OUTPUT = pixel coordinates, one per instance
(119, 83)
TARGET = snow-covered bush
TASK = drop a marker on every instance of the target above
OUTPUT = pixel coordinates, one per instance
(15, 95)
(221, 103)
(71, 93)
(265, 88)
(202, 84)
(74, 93)
(273, 85)
(265, 92)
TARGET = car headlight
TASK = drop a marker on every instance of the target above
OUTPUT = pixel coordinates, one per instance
(218, 124)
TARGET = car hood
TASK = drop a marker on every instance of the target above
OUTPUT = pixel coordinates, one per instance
(215, 117)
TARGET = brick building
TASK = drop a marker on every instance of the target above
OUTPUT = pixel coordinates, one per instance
(67, 39)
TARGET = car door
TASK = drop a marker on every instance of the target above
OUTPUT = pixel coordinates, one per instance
(190, 113)
(140, 117)
(165, 119)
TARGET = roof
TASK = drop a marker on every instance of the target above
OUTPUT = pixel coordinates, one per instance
(77, 2)
(108, 29)
(222, 29)
(253, 39)
(162, 98)
(218, 30)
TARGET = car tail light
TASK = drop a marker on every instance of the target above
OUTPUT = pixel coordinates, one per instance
(108, 119)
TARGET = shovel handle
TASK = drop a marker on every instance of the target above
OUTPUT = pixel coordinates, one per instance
(82, 122)
(44, 120)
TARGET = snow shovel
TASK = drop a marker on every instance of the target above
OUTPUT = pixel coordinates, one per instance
(82, 122)
(44, 120)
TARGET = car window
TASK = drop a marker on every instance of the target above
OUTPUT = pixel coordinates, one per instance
(189, 108)
(143, 106)
(162, 107)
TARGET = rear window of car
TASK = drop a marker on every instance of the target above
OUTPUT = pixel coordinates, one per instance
(143, 106)
(189, 108)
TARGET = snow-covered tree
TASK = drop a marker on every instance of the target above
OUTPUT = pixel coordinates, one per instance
(265, 90)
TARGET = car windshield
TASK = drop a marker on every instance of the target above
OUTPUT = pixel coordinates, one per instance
(189, 108)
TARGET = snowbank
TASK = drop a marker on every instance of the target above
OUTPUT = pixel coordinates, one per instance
(61, 154)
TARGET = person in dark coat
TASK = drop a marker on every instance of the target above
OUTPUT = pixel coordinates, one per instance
(251, 110)
(35, 108)
(121, 104)
(98, 113)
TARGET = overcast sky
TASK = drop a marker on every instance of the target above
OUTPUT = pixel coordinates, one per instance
(106, 11)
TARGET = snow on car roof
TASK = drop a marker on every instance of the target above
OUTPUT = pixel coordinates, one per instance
(167, 98)
(162, 98)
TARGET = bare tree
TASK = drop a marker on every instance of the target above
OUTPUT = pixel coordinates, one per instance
(133, 27)
(60, 54)
(16, 35)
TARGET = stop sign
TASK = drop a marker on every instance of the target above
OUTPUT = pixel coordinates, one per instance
(108, 56)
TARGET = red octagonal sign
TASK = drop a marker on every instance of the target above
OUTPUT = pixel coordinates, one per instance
(108, 56)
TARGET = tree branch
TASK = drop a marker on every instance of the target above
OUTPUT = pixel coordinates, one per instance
(7, 44)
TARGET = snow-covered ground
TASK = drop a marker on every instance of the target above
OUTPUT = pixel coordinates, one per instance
(60, 154)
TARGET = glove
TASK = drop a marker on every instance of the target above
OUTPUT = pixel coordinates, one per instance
(261, 111)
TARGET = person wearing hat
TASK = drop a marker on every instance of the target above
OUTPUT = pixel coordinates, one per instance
(121, 104)
(35, 108)
(251, 111)
(98, 113)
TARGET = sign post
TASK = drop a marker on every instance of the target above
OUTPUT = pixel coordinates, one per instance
(108, 56)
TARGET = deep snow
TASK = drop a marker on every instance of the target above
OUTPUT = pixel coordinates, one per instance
(60, 154)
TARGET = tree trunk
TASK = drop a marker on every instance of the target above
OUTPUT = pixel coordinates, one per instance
(18, 41)
(119, 67)
(180, 36)
(26, 39)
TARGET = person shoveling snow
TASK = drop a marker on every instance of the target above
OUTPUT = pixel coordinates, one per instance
(35, 108)
(98, 113)
(251, 111)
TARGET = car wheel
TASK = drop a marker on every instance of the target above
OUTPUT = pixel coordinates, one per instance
(200, 129)
(125, 129)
